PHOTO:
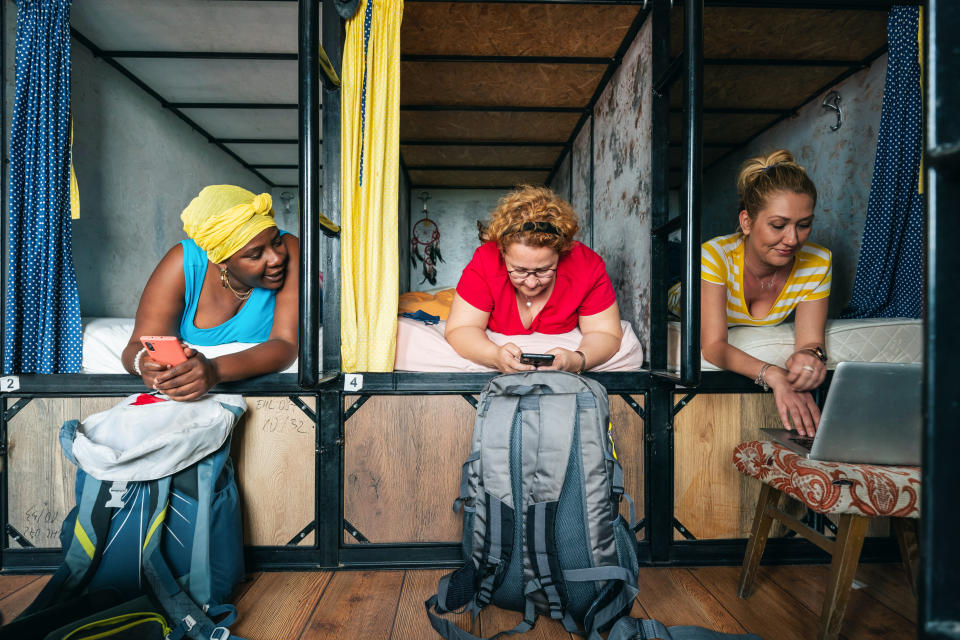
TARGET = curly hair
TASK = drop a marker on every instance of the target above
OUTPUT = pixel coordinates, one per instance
(763, 176)
(534, 216)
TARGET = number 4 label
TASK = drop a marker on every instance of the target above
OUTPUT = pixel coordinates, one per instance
(352, 381)
(9, 383)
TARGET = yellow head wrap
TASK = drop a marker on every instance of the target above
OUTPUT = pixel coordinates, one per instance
(224, 218)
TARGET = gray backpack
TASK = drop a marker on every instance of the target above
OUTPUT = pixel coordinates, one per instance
(542, 532)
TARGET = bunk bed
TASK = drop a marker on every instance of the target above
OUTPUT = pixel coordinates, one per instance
(650, 406)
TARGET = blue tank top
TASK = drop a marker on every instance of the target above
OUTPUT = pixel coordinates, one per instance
(251, 324)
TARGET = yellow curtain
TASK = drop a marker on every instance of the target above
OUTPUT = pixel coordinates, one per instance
(369, 164)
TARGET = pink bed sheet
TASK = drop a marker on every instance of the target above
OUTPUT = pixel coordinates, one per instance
(422, 347)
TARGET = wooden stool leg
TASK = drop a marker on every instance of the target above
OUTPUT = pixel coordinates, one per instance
(846, 555)
(906, 532)
(762, 522)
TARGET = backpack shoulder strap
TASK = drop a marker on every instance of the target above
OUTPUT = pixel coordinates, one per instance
(82, 557)
(190, 620)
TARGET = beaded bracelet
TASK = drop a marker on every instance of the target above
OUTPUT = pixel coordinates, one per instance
(136, 361)
(760, 379)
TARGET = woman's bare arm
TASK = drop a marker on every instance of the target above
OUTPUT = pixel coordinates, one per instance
(466, 333)
(602, 335)
(794, 407)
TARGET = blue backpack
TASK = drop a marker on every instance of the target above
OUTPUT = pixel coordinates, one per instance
(177, 539)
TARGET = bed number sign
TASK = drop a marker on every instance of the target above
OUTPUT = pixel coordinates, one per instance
(9, 384)
(352, 381)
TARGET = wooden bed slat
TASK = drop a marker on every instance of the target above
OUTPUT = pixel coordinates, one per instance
(501, 84)
(511, 30)
(492, 126)
(806, 34)
(480, 156)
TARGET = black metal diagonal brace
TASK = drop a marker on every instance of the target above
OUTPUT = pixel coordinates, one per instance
(16, 408)
(303, 406)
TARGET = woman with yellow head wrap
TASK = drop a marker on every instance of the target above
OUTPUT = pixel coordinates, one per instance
(234, 280)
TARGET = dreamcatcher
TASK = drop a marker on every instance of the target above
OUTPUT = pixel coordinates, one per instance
(426, 234)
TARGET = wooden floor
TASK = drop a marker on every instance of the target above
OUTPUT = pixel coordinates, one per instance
(372, 605)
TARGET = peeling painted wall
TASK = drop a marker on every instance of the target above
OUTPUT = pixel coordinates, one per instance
(456, 212)
(621, 182)
(840, 163)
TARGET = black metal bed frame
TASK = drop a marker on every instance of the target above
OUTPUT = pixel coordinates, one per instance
(320, 377)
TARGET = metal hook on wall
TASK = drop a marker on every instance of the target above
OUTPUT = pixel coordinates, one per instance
(832, 101)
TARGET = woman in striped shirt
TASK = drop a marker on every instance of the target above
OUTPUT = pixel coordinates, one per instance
(761, 274)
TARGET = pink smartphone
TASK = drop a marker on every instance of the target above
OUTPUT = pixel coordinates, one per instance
(165, 349)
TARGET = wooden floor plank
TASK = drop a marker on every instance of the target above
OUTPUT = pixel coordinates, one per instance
(9, 584)
(244, 586)
(888, 584)
(412, 622)
(277, 606)
(494, 619)
(17, 600)
(357, 604)
(865, 619)
(769, 612)
(675, 597)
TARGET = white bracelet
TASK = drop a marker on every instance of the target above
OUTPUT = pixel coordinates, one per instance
(136, 361)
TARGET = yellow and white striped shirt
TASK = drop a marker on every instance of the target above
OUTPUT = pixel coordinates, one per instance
(721, 262)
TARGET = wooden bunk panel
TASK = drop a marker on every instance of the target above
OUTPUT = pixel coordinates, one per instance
(402, 459)
(712, 499)
(758, 86)
(487, 126)
(628, 430)
(40, 479)
(481, 156)
(502, 85)
(273, 450)
(799, 34)
(506, 179)
(505, 29)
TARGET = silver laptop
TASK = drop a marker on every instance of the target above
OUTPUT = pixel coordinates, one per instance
(872, 415)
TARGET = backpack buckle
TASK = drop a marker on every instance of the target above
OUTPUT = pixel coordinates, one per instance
(117, 489)
(220, 633)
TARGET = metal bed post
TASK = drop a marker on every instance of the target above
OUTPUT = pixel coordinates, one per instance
(309, 134)
(940, 574)
(329, 443)
(690, 202)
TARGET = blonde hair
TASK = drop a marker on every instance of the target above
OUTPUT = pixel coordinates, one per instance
(764, 176)
(534, 216)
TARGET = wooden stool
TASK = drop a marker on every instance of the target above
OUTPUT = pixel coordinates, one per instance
(853, 493)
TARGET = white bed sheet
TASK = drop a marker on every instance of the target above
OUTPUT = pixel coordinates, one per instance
(866, 340)
(422, 347)
(105, 338)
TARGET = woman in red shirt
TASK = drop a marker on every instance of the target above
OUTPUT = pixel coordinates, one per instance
(531, 276)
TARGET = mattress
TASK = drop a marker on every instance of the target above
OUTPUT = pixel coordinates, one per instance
(866, 340)
(105, 338)
(422, 347)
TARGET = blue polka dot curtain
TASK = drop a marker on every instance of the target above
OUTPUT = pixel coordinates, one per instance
(42, 310)
(889, 281)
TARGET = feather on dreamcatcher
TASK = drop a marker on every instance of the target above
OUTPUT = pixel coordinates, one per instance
(426, 234)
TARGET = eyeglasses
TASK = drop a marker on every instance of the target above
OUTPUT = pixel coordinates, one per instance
(523, 274)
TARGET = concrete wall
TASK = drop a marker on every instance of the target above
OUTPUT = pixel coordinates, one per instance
(840, 163)
(456, 212)
(137, 166)
(620, 228)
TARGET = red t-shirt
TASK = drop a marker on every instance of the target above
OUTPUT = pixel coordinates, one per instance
(583, 288)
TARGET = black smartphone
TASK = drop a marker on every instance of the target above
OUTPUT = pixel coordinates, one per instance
(537, 359)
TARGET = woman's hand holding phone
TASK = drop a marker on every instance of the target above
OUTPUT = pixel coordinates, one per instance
(175, 369)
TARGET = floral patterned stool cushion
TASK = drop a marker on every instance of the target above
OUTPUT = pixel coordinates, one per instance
(833, 487)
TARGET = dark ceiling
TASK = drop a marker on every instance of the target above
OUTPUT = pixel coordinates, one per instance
(492, 93)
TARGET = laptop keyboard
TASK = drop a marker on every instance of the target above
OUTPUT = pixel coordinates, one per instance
(803, 441)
